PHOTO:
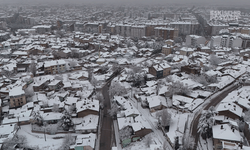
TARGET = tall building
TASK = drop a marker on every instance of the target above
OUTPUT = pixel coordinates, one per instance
(166, 33)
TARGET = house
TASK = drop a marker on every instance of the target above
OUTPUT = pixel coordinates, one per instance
(156, 103)
(186, 51)
(230, 110)
(55, 85)
(7, 132)
(227, 133)
(17, 97)
(167, 49)
(191, 69)
(127, 107)
(139, 125)
(86, 107)
(160, 70)
(53, 67)
(52, 117)
(84, 142)
(87, 124)
(40, 83)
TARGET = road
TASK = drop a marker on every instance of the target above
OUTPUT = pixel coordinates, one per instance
(214, 101)
(107, 137)
(106, 128)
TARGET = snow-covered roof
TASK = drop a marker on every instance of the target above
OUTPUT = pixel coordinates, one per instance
(89, 122)
(17, 91)
(137, 124)
(225, 132)
(229, 106)
(87, 104)
(85, 140)
(7, 132)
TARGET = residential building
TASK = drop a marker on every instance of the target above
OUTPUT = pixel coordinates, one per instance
(53, 67)
(17, 97)
(186, 28)
(166, 33)
(138, 31)
(195, 40)
(41, 29)
(160, 70)
(185, 51)
(167, 49)
(227, 133)
(87, 107)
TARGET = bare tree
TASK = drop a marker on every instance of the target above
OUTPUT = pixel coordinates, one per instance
(37, 118)
(94, 81)
(66, 121)
(32, 68)
(214, 60)
(113, 110)
(18, 140)
(104, 69)
(72, 63)
(29, 92)
(247, 116)
(188, 143)
(164, 118)
(55, 108)
(178, 88)
(206, 123)
(100, 97)
(8, 74)
(90, 74)
(165, 145)
(67, 141)
(116, 89)
(148, 140)
(125, 133)
(53, 128)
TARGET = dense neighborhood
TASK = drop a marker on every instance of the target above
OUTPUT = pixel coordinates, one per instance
(123, 78)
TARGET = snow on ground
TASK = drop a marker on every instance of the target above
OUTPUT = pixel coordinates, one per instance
(205, 144)
(177, 125)
(37, 139)
(141, 145)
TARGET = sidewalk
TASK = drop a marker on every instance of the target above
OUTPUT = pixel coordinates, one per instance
(117, 137)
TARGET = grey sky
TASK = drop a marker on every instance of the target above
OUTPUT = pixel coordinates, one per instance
(190, 2)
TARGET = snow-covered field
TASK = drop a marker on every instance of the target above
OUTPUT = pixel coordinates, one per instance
(37, 140)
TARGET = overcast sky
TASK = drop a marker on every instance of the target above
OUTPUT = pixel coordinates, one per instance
(192, 2)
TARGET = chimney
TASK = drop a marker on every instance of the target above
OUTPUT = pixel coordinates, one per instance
(221, 127)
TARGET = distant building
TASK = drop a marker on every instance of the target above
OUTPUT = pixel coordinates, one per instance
(186, 28)
(185, 51)
(53, 67)
(160, 70)
(166, 33)
(195, 40)
(138, 31)
(167, 49)
(41, 29)
(191, 69)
